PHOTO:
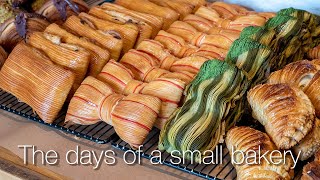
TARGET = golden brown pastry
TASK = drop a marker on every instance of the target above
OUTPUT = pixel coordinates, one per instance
(3, 56)
(195, 3)
(225, 10)
(182, 29)
(311, 171)
(190, 64)
(222, 40)
(67, 55)
(314, 53)
(109, 40)
(145, 6)
(99, 56)
(132, 116)
(128, 32)
(310, 144)
(12, 33)
(120, 79)
(182, 8)
(286, 112)
(209, 52)
(248, 140)
(155, 22)
(35, 80)
(199, 23)
(59, 10)
(304, 75)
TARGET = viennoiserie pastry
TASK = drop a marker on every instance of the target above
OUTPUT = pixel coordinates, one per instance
(169, 91)
(301, 74)
(129, 32)
(182, 29)
(145, 6)
(67, 55)
(3, 56)
(59, 10)
(183, 8)
(207, 113)
(253, 143)
(35, 80)
(16, 27)
(311, 171)
(99, 56)
(314, 53)
(132, 116)
(286, 112)
(117, 11)
(112, 41)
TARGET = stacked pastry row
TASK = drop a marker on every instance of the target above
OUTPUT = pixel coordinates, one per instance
(215, 98)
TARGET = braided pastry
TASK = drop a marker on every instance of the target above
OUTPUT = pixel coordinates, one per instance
(132, 116)
(286, 112)
(246, 140)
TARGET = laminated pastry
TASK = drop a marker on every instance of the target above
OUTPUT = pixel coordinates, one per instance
(195, 3)
(221, 40)
(121, 80)
(310, 144)
(311, 171)
(145, 6)
(225, 10)
(66, 55)
(109, 40)
(35, 80)
(286, 112)
(208, 52)
(314, 53)
(182, 29)
(115, 10)
(190, 64)
(144, 29)
(3, 56)
(132, 116)
(254, 143)
(59, 10)
(214, 102)
(129, 32)
(99, 56)
(183, 8)
(18, 26)
(301, 74)
(199, 23)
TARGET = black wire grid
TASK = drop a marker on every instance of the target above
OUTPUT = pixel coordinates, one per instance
(103, 133)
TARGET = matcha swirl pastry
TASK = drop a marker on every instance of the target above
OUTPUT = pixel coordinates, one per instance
(213, 105)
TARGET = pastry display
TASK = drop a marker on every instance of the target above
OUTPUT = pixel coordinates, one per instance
(110, 40)
(36, 81)
(98, 56)
(3, 56)
(131, 116)
(250, 141)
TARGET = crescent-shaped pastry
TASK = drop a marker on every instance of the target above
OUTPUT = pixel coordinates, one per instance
(99, 56)
(248, 140)
(35, 80)
(286, 112)
(3, 56)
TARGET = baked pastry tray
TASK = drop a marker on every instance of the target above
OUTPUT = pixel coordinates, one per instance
(103, 133)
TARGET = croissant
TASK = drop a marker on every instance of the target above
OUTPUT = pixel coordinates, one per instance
(128, 32)
(35, 80)
(175, 44)
(199, 23)
(3, 56)
(145, 6)
(110, 41)
(303, 75)
(223, 41)
(59, 10)
(285, 112)
(99, 56)
(131, 116)
(182, 29)
(310, 144)
(314, 53)
(13, 30)
(69, 56)
(311, 171)
(155, 22)
(158, 51)
(120, 79)
(145, 68)
(201, 122)
(248, 140)
(182, 8)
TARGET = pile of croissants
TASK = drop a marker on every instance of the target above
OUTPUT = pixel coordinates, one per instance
(139, 64)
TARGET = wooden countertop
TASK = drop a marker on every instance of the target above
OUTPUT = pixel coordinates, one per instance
(15, 131)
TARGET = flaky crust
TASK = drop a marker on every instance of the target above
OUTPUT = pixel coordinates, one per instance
(286, 112)
(311, 171)
(3, 56)
(246, 139)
